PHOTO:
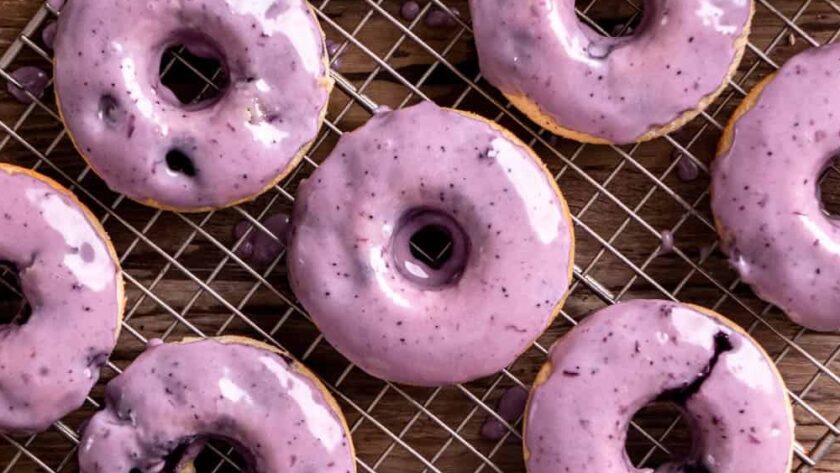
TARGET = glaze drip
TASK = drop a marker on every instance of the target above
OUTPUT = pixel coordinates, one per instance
(680, 396)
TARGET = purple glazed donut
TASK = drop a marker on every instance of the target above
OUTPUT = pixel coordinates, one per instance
(765, 189)
(144, 142)
(174, 397)
(397, 316)
(623, 357)
(581, 85)
(70, 277)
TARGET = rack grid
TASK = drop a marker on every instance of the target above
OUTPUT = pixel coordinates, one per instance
(186, 276)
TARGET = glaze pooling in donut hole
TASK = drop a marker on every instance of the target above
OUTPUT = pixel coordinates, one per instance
(176, 396)
(626, 356)
(397, 315)
(144, 142)
(766, 194)
(579, 84)
(69, 276)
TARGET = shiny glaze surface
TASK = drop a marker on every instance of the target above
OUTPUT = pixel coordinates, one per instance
(766, 193)
(125, 121)
(392, 314)
(69, 277)
(178, 395)
(615, 89)
(623, 357)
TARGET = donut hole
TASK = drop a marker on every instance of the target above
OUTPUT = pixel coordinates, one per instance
(207, 453)
(430, 248)
(656, 419)
(14, 307)
(431, 244)
(193, 71)
(829, 190)
(179, 162)
(611, 19)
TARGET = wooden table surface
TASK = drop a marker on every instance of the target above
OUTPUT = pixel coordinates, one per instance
(162, 275)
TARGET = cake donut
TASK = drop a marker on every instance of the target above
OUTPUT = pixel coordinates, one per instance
(145, 143)
(396, 315)
(70, 277)
(576, 83)
(765, 189)
(623, 357)
(175, 396)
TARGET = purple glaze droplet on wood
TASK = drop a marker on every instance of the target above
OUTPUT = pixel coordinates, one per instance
(438, 18)
(332, 49)
(410, 10)
(154, 342)
(687, 169)
(667, 242)
(48, 34)
(32, 80)
(260, 247)
(511, 405)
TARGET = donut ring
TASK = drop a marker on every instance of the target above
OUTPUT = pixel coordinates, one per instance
(173, 397)
(146, 144)
(625, 356)
(397, 316)
(70, 275)
(765, 195)
(578, 84)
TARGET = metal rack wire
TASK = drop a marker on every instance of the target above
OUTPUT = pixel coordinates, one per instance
(185, 274)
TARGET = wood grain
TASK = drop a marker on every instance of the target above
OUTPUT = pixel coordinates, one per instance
(269, 304)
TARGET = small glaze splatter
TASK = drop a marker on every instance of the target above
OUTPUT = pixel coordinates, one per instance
(666, 245)
(154, 342)
(511, 405)
(438, 18)
(48, 34)
(332, 49)
(687, 169)
(259, 247)
(410, 10)
(172, 397)
(623, 357)
(32, 79)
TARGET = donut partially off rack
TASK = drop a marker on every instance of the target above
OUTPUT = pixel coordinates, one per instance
(184, 275)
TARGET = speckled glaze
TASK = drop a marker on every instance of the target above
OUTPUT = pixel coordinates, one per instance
(390, 313)
(765, 190)
(626, 356)
(602, 89)
(69, 275)
(276, 413)
(125, 122)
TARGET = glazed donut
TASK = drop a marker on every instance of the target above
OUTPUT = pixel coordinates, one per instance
(70, 277)
(765, 189)
(576, 83)
(173, 397)
(628, 355)
(146, 144)
(390, 312)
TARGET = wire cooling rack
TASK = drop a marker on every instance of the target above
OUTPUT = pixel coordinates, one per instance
(185, 276)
